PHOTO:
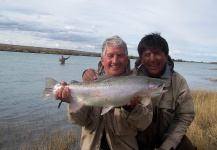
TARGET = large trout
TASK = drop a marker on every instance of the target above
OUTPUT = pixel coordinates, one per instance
(108, 92)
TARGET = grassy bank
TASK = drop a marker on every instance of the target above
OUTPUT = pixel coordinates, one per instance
(48, 140)
(202, 132)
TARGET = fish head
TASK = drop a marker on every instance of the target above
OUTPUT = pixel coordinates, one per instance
(156, 87)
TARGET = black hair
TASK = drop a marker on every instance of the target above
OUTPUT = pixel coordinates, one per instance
(153, 41)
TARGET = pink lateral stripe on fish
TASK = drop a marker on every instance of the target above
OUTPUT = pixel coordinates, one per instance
(108, 92)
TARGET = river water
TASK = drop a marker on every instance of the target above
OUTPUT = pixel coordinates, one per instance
(22, 81)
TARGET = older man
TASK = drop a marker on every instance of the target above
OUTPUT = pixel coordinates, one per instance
(117, 129)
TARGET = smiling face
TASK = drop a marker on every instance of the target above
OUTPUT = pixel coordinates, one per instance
(154, 61)
(114, 61)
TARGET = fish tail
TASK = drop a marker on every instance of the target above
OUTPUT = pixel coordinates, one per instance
(49, 84)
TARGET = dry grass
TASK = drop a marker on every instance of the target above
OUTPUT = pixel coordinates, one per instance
(203, 130)
(54, 141)
(58, 140)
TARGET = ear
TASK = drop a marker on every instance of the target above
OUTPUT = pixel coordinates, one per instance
(128, 66)
(166, 58)
(102, 61)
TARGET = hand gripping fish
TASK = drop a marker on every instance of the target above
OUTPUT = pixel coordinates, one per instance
(108, 92)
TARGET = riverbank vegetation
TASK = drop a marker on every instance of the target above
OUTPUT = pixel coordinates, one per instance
(48, 140)
(202, 132)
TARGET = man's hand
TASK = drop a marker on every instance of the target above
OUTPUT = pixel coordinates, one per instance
(63, 94)
(134, 101)
(89, 75)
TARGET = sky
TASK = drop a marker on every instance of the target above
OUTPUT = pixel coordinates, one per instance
(189, 26)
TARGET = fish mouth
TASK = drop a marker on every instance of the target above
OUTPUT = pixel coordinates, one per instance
(158, 83)
(162, 88)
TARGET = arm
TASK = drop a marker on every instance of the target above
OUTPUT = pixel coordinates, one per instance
(128, 123)
(184, 115)
(138, 116)
(83, 116)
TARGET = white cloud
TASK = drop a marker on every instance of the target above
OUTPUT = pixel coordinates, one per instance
(175, 52)
(188, 26)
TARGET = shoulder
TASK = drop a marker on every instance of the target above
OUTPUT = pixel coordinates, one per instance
(177, 76)
(134, 71)
(179, 83)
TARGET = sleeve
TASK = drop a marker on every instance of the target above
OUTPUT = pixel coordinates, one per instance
(184, 115)
(82, 117)
(139, 117)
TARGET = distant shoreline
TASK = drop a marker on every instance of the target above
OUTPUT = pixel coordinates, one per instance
(32, 49)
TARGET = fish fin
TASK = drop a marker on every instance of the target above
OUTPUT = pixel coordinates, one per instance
(73, 81)
(49, 84)
(102, 78)
(105, 109)
(75, 106)
(145, 101)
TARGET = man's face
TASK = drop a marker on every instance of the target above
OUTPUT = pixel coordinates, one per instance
(154, 61)
(114, 61)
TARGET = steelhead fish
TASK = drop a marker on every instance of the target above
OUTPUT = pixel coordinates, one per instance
(108, 92)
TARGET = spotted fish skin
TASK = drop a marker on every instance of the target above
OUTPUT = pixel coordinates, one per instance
(108, 92)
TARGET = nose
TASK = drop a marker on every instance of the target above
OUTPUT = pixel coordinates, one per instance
(115, 59)
(152, 57)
